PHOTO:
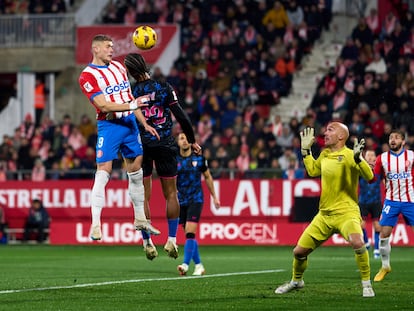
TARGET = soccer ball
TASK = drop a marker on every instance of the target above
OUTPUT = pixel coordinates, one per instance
(144, 37)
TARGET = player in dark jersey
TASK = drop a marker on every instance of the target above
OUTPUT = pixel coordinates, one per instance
(370, 203)
(191, 198)
(162, 152)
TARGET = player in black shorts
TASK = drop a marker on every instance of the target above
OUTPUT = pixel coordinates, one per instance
(162, 152)
(370, 204)
(191, 198)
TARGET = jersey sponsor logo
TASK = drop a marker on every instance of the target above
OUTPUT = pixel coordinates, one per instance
(403, 175)
(88, 87)
(113, 89)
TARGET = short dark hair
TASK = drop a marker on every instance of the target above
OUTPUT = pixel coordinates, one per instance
(399, 132)
(136, 65)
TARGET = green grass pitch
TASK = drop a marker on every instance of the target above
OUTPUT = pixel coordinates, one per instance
(44, 277)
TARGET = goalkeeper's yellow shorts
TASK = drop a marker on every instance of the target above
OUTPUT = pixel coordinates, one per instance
(323, 227)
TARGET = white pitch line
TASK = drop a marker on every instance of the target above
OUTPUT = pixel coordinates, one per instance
(181, 278)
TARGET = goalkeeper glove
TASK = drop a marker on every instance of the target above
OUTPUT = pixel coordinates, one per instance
(358, 147)
(307, 137)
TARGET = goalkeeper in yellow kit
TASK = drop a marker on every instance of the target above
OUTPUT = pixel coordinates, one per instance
(340, 169)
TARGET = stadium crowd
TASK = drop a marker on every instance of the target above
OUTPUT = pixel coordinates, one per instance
(238, 58)
(34, 6)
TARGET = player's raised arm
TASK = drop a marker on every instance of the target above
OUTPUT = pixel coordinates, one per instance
(186, 126)
(366, 171)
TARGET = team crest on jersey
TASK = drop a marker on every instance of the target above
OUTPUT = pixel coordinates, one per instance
(407, 164)
(88, 87)
(194, 163)
(340, 158)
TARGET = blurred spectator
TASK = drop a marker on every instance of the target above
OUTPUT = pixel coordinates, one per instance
(284, 159)
(293, 171)
(407, 20)
(37, 221)
(213, 65)
(39, 100)
(363, 37)
(214, 143)
(130, 16)
(66, 126)
(274, 150)
(295, 14)
(350, 52)
(229, 115)
(243, 160)
(57, 140)
(75, 139)
(222, 156)
(44, 150)
(339, 104)
(388, 25)
(399, 36)
(212, 104)
(262, 160)
(377, 65)
(285, 68)
(278, 17)
(3, 171)
(376, 124)
(66, 162)
(27, 127)
(329, 82)
(276, 125)
(233, 148)
(110, 15)
(271, 87)
(38, 171)
(384, 113)
(285, 140)
(404, 115)
(356, 127)
(389, 51)
(148, 15)
(297, 149)
(258, 147)
(275, 171)
(55, 6)
(204, 129)
(37, 139)
(373, 22)
(315, 22)
(25, 162)
(226, 136)
(86, 126)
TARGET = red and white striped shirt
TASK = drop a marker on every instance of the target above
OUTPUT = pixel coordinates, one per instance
(111, 81)
(397, 171)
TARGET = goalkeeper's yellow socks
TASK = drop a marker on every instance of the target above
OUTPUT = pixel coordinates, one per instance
(362, 260)
(299, 266)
